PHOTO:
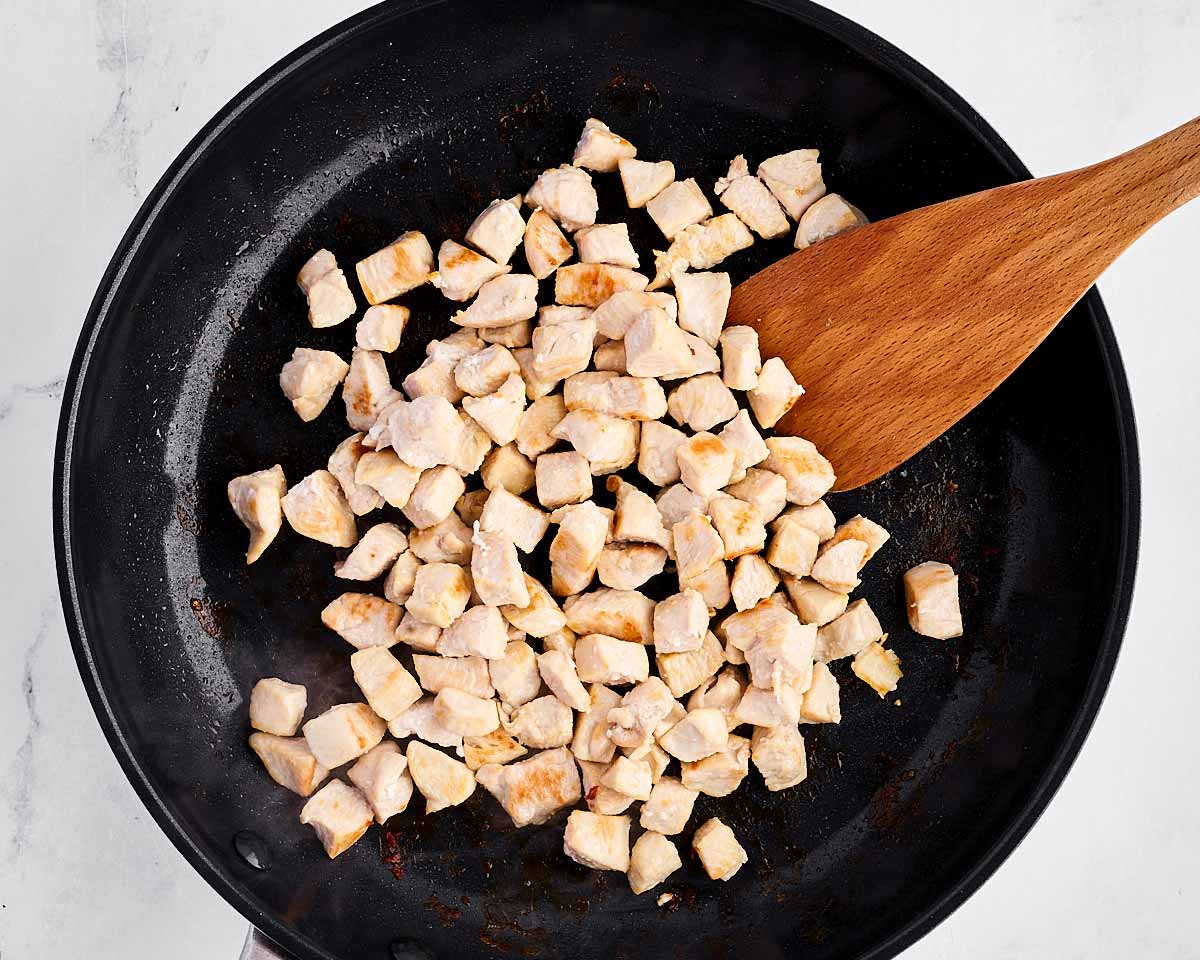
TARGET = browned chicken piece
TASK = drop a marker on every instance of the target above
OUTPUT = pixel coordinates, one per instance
(277, 706)
(600, 149)
(381, 328)
(317, 508)
(656, 453)
(816, 516)
(643, 181)
(826, 218)
(440, 594)
(532, 791)
(590, 284)
(637, 518)
(575, 550)
(546, 249)
(677, 206)
(373, 554)
(739, 525)
(748, 446)
(607, 243)
(653, 859)
(434, 497)
(615, 315)
(330, 300)
(778, 753)
(597, 841)
(849, 634)
(339, 814)
(493, 748)
(537, 420)
(783, 657)
(477, 632)
(626, 566)
(402, 265)
(740, 359)
(514, 518)
(496, 571)
(836, 568)
(751, 200)
(591, 742)
(442, 780)
(562, 478)
(501, 302)
(765, 490)
(464, 714)
(697, 545)
(931, 592)
(388, 687)
(500, 412)
(607, 660)
(426, 432)
(385, 473)
(656, 347)
(342, 733)
(417, 633)
(795, 180)
(289, 762)
(541, 617)
(362, 620)
(765, 621)
(878, 668)
(705, 463)
(624, 614)
(506, 468)
(461, 271)
(609, 443)
(433, 378)
(720, 773)
(563, 349)
(775, 393)
(255, 499)
(703, 301)
(567, 194)
(702, 402)
(669, 807)
(698, 735)
(309, 379)
(821, 700)
(680, 622)
(809, 475)
(447, 541)
(470, 505)
(382, 777)
(469, 674)
(484, 372)
(793, 548)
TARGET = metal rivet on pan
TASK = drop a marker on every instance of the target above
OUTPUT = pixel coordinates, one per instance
(253, 849)
(408, 949)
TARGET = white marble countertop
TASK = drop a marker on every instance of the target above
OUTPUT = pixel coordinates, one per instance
(99, 98)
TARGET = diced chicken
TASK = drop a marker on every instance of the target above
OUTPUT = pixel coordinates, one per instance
(557, 669)
(604, 659)
(343, 464)
(385, 473)
(342, 733)
(500, 412)
(374, 553)
(418, 721)
(703, 301)
(575, 550)
(484, 372)
(767, 491)
(624, 614)
(752, 201)
(493, 748)
(700, 246)
(627, 566)
(699, 734)
(498, 230)
(501, 302)
(849, 634)
(535, 387)
(747, 445)
(563, 349)
(740, 359)
(567, 194)
(637, 518)
(608, 443)
(382, 777)
(600, 149)
(417, 633)
(440, 593)
(702, 402)
(809, 475)
(514, 518)
(767, 621)
(677, 206)
(515, 675)
(826, 218)
(496, 571)
(289, 762)
(860, 528)
(426, 432)
(591, 742)
(533, 790)
(381, 328)
(537, 420)
(677, 503)
(546, 249)
(454, 347)
(653, 859)
(590, 284)
(541, 723)
(723, 692)
(255, 499)
(821, 700)
(461, 271)
(434, 497)
(775, 393)
(878, 668)
(643, 181)
(442, 780)
(597, 841)
(615, 315)
(447, 541)
(697, 545)
(330, 300)
(814, 603)
(479, 632)
(339, 814)
(656, 347)
(778, 752)
(519, 334)
(607, 243)
(795, 180)
(610, 356)
(712, 584)
(753, 580)
(362, 620)
(784, 657)
(931, 592)
(399, 267)
(669, 807)
(309, 379)
(817, 517)
(656, 455)
(705, 463)
(632, 724)
(563, 639)
(277, 706)
(388, 687)
(740, 526)
(633, 398)
(656, 756)
(630, 778)
(541, 617)
(562, 478)
(793, 548)
(836, 568)
(720, 773)
(464, 714)
(680, 622)
(470, 505)
(506, 468)
(433, 378)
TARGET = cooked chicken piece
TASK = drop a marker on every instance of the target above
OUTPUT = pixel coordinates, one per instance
(418, 721)
(677, 206)
(309, 379)
(468, 674)
(470, 505)
(566, 194)
(700, 246)
(535, 388)
(705, 463)
(816, 516)
(762, 707)
(433, 378)
(676, 503)
(425, 432)
(702, 402)
(631, 725)
(720, 773)
(329, 298)
(442, 780)
(680, 622)
(473, 449)
(703, 301)
(385, 473)
(381, 328)
(277, 706)
(795, 180)
(630, 778)
(492, 748)
(722, 692)
(764, 622)
(417, 633)
(669, 807)
(519, 334)
(711, 583)
(455, 346)
(563, 639)
(499, 412)
(464, 714)
(697, 545)
(784, 657)
(479, 632)
(562, 478)
(497, 231)
(748, 446)
(343, 464)
(656, 455)
(599, 798)
(654, 858)
(699, 734)
(496, 571)
(515, 519)
(533, 790)
(643, 181)
(813, 602)
(878, 668)
(603, 391)
(461, 271)
(767, 491)
(484, 372)
(779, 755)
(607, 243)
(563, 349)
(590, 284)
(388, 687)
(542, 723)
(752, 201)
(382, 776)
(538, 419)
(556, 313)
(515, 675)
(849, 634)
(557, 669)
(597, 841)
(255, 499)
(289, 762)
(629, 565)
(793, 548)
(362, 620)
(739, 524)
(373, 554)
(604, 659)
(809, 475)
(836, 568)
(399, 267)
(775, 393)
(541, 616)
(931, 592)
(505, 468)
(546, 249)
(501, 302)
(821, 701)
(342, 733)
(740, 359)
(575, 550)
(591, 742)
(678, 712)
(609, 443)
(624, 614)
(448, 541)
(440, 594)
(656, 756)
(339, 814)
(826, 218)
(637, 518)
(434, 497)
(600, 149)
(656, 347)
(616, 314)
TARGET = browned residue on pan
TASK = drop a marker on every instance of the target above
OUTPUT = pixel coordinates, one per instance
(528, 113)
(447, 914)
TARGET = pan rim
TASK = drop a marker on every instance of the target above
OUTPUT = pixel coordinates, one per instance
(869, 45)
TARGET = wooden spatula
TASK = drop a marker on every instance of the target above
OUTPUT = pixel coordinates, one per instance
(899, 328)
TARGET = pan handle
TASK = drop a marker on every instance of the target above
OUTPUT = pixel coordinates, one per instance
(258, 947)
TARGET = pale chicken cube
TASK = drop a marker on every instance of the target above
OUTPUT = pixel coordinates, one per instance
(590, 284)
(389, 476)
(700, 246)
(418, 721)
(590, 742)
(704, 357)
(720, 773)
(627, 566)
(793, 548)
(532, 791)
(440, 593)
(631, 725)
(575, 549)
(606, 243)
(753, 580)
(500, 412)
(562, 639)
(821, 700)
(309, 379)
(705, 463)
(669, 807)
(473, 449)
(277, 706)
(765, 490)
(546, 249)
(434, 497)
(519, 334)
(461, 271)
(630, 778)
(537, 420)
(433, 378)
(402, 265)
(382, 777)
(778, 753)
(658, 758)
(563, 349)
(484, 372)
(653, 859)
(859, 527)
(374, 553)
(817, 517)
(656, 347)
(455, 346)
(747, 444)
(541, 723)
(680, 622)
(931, 592)
(763, 707)
(809, 475)
(417, 633)
(255, 499)
(426, 432)
(795, 180)
(740, 358)
(712, 584)
(515, 675)
(775, 393)
(343, 464)
(447, 541)
(329, 298)
(826, 218)
(442, 780)
(388, 687)
(849, 634)
(604, 391)
(656, 453)
(600, 149)
(643, 181)
(362, 620)
(836, 567)
(558, 671)
(501, 302)
(762, 622)
(609, 443)
(814, 603)
(478, 632)
(498, 230)
(677, 206)
(464, 714)
(289, 762)
(677, 503)
(343, 733)
(637, 518)
(597, 841)
(703, 301)
(624, 614)
(599, 798)
(562, 478)
(496, 571)
(381, 328)
(516, 519)
(492, 748)
(723, 692)
(739, 525)
(607, 660)
(616, 314)
(697, 545)
(610, 356)
(339, 814)
(752, 201)
(541, 617)
(506, 468)
(783, 658)
(878, 668)
(556, 313)
(699, 734)
(702, 402)
(565, 193)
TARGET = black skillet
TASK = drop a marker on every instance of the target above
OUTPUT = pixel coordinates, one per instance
(413, 116)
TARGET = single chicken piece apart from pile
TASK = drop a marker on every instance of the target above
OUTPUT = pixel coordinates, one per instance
(696, 608)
